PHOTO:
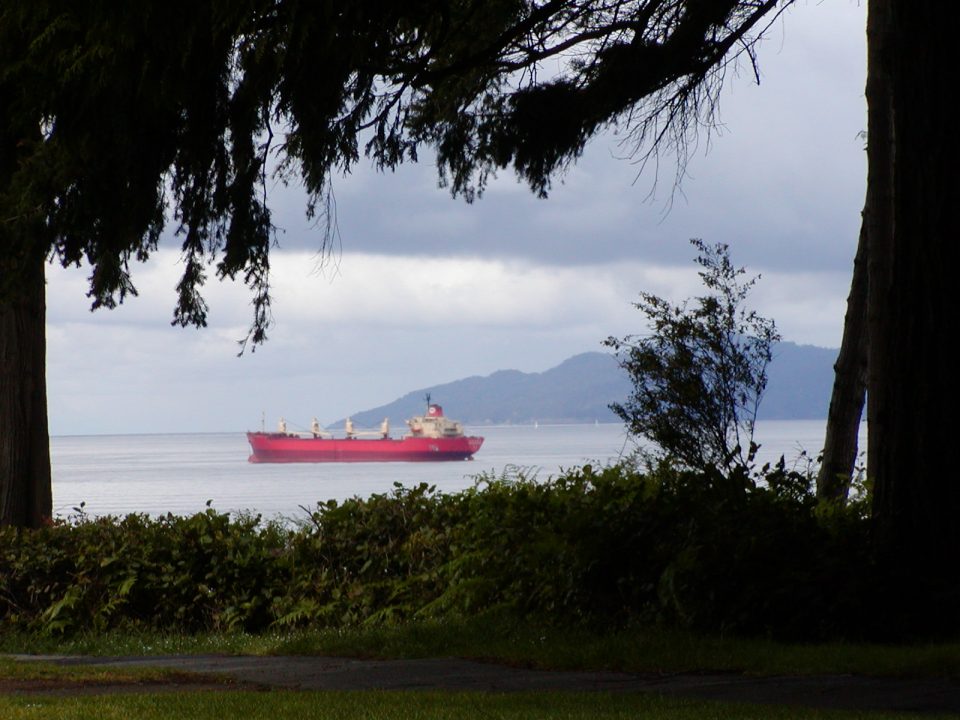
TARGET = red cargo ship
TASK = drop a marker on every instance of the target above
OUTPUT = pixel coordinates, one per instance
(432, 437)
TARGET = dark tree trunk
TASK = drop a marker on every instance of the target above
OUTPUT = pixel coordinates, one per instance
(849, 387)
(25, 494)
(914, 198)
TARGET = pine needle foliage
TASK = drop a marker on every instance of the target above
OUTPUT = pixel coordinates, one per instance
(120, 126)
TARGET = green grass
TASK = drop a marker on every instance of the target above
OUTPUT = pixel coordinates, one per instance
(493, 637)
(90, 675)
(397, 705)
(514, 641)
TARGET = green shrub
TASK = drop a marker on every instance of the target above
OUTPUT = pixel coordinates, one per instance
(369, 560)
(599, 545)
(206, 571)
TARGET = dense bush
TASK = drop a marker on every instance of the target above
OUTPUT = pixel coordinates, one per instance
(198, 572)
(600, 545)
(369, 560)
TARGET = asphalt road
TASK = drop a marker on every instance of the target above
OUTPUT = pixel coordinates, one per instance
(456, 674)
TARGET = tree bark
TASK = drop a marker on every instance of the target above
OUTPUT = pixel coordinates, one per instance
(25, 492)
(849, 387)
(913, 197)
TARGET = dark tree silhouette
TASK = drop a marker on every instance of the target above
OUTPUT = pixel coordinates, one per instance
(117, 122)
(913, 193)
(841, 444)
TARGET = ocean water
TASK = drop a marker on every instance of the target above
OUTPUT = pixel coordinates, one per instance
(156, 474)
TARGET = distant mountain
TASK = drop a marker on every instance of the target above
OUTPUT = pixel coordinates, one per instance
(581, 388)
(577, 390)
(799, 382)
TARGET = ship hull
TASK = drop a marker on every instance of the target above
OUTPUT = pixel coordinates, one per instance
(285, 448)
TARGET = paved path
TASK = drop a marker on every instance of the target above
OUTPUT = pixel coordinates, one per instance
(336, 673)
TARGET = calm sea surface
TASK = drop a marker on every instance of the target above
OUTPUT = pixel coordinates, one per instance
(156, 474)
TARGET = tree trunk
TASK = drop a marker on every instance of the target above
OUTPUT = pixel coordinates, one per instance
(913, 198)
(25, 493)
(849, 386)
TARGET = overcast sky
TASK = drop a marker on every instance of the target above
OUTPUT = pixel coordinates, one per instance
(426, 289)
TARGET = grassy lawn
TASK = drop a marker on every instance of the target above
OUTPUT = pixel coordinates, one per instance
(492, 637)
(91, 675)
(390, 705)
(512, 641)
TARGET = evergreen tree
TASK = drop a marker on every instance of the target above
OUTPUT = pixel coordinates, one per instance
(116, 120)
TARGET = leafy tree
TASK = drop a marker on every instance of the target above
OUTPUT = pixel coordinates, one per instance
(651, 67)
(107, 117)
(117, 122)
(699, 375)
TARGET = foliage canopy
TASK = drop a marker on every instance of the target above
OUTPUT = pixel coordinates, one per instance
(118, 123)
